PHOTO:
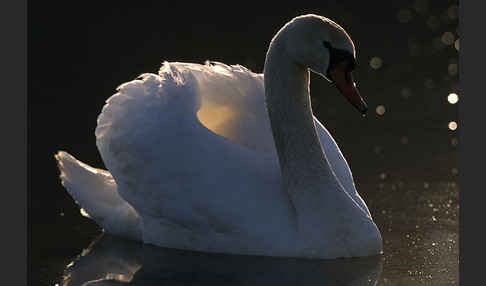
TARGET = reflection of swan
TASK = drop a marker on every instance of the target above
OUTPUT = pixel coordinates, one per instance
(206, 158)
(113, 259)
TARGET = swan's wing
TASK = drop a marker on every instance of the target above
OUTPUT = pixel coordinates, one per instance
(232, 103)
(338, 163)
(172, 169)
(95, 191)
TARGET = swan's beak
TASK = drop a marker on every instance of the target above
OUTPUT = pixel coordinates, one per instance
(344, 81)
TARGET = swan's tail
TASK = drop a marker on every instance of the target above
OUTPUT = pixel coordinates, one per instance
(95, 191)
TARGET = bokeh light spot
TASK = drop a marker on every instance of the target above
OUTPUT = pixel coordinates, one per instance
(380, 109)
(453, 98)
(452, 12)
(452, 125)
(376, 62)
(406, 92)
(447, 38)
(454, 141)
(421, 6)
(404, 16)
(452, 69)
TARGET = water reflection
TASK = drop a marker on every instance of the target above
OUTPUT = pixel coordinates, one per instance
(110, 260)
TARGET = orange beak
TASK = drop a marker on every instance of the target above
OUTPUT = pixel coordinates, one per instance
(344, 81)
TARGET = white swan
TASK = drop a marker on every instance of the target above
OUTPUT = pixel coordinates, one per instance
(216, 158)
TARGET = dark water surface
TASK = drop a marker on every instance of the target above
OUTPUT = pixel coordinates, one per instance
(419, 224)
(403, 156)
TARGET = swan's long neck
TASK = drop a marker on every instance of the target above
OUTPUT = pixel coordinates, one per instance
(306, 172)
(302, 160)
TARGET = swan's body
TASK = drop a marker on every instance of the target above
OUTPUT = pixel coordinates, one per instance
(196, 162)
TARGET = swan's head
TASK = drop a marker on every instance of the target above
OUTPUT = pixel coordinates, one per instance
(325, 48)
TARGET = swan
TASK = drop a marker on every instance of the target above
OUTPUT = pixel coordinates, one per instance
(215, 158)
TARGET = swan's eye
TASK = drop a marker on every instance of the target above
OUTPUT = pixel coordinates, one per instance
(337, 56)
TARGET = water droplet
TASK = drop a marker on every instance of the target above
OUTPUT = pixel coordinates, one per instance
(426, 185)
(404, 16)
(61, 214)
(452, 125)
(455, 171)
(383, 211)
(447, 38)
(380, 109)
(376, 62)
(453, 98)
(404, 140)
(382, 176)
(434, 218)
(83, 212)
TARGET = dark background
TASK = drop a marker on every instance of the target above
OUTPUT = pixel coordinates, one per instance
(78, 54)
